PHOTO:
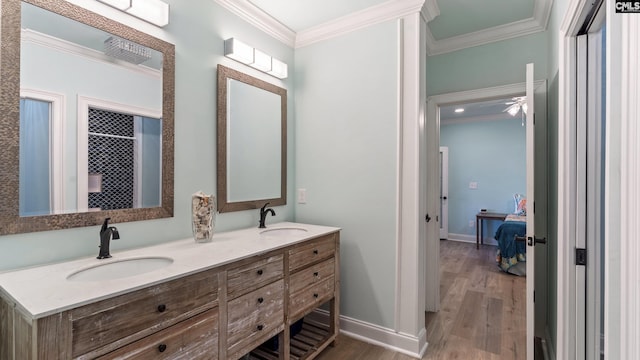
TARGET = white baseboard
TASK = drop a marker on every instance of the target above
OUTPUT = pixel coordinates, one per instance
(376, 335)
(462, 238)
(470, 239)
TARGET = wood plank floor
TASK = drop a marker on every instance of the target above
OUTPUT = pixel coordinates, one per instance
(482, 313)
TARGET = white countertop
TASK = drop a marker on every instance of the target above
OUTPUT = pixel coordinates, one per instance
(45, 290)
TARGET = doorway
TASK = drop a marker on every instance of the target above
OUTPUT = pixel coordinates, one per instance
(434, 105)
(486, 162)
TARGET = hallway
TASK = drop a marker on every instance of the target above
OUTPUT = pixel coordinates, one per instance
(482, 314)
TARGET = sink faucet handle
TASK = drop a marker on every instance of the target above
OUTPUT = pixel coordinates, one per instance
(107, 233)
(105, 225)
(263, 208)
(263, 215)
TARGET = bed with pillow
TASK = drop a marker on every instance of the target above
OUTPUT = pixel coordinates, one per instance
(511, 254)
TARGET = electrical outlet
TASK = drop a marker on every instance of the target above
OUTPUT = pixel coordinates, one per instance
(473, 185)
(302, 196)
(472, 223)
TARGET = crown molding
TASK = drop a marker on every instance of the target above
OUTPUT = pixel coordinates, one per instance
(390, 10)
(430, 10)
(537, 23)
(258, 18)
(470, 119)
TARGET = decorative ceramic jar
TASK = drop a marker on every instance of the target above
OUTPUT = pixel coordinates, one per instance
(203, 216)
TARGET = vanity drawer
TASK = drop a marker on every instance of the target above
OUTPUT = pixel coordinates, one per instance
(311, 275)
(310, 298)
(248, 277)
(195, 338)
(312, 251)
(129, 317)
(255, 317)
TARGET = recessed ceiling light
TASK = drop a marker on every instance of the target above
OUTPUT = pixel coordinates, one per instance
(459, 110)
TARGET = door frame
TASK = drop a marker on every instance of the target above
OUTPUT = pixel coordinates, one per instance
(444, 192)
(434, 102)
(622, 310)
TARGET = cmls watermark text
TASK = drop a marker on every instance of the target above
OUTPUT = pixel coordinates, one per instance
(627, 6)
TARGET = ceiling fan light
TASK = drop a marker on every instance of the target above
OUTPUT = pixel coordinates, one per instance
(513, 109)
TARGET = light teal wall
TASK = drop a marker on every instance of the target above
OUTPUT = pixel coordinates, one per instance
(198, 29)
(346, 159)
(488, 65)
(491, 153)
(557, 14)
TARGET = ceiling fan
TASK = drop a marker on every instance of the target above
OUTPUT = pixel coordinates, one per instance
(515, 105)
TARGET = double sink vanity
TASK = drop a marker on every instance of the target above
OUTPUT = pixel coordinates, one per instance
(240, 296)
(235, 297)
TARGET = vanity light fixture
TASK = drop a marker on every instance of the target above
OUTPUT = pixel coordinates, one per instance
(155, 12)
(261, 61)
(239, 51)
(459, 110)
(278, 69)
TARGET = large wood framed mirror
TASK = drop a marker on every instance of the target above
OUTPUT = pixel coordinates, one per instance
(252, 142)
(87, 119)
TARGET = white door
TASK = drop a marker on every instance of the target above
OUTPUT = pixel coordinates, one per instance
(444, 192)
(530, 135)
(590, 197)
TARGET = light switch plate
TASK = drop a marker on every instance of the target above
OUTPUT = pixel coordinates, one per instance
(302, 196)
(473, 185)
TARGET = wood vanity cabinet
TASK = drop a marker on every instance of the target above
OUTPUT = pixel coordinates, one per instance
(219, 313)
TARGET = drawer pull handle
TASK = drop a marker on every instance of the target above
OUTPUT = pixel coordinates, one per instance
(315, 251)
(259, 272)
(316, 274)
(315, 295)
(260, 300)
(260, 327)
(162, 347)
(162, 308)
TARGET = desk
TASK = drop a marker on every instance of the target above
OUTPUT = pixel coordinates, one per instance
(479, 224)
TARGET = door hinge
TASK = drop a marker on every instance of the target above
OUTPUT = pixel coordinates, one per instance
(581, 256)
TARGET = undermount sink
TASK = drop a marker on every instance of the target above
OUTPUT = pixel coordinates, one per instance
(120, 269)
(284, 231)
